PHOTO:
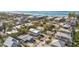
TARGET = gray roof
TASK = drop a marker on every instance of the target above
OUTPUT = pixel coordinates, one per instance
(58, 43)
(73, 22)
(66, 25)
(61, 34)
(25, 37)
(9, 42)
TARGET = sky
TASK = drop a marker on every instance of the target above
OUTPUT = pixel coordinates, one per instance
(39, 5)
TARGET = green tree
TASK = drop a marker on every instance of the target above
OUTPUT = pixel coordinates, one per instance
(23, 30)
(71, 14)
(1, 40)
(14, 35)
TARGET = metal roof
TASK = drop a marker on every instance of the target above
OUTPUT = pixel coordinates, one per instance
(58, 43)
(63, 34)
(25, 37)
(9, 42)
(34, 30)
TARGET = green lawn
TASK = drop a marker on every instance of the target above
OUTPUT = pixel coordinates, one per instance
(77, 27)
(76, 40)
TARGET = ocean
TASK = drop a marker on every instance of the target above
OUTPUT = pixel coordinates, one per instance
(46, 13)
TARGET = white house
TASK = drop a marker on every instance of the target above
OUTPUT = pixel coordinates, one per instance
(28, 24)
(34, 31)
(40, 28)
(66, 26)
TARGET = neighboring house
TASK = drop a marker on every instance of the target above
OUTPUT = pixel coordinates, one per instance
(64, 37)
(13, 31)
(66, 17)
(18, 23)
(65, 30)
(58, 19)
(18, 26)
(31, 16)
(66, 26)
(61, 24)
(11, 42)
(26, 38)
(57, 43)
(50, 17)
(49, 32)
(73, 22)
(35, 32)
(40, 28)
(28, 24)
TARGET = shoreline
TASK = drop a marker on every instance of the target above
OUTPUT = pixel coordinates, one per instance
(40, 13)
(43, 13)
